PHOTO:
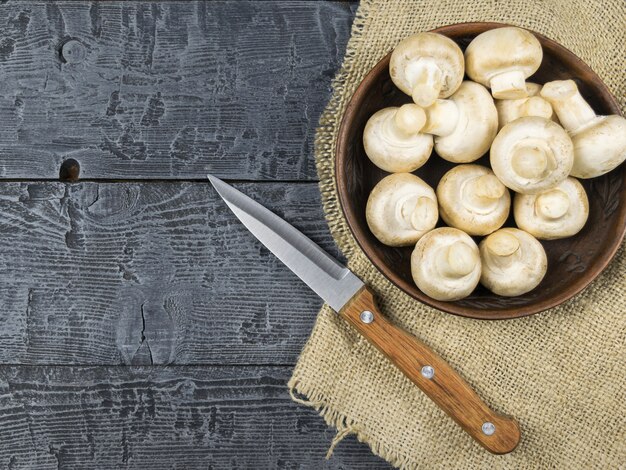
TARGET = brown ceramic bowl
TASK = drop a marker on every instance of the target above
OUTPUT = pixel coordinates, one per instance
(572, 262)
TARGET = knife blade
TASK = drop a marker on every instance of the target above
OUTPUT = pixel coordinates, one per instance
(330, 280)
(348, 295)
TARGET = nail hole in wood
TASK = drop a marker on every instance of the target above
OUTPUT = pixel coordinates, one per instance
(70, 170)
(72, 51)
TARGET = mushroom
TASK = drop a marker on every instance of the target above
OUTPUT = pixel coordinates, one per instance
(557, 213)
(532, 105)
(472, 199)
(464, 125)
(393, 141)
(513, 262)
(445, 264)
(531, 155)
(599, 141)
(502, 59)
(427, 66)
(400, 209)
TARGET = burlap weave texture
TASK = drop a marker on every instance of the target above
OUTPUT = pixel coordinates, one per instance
(561, 373)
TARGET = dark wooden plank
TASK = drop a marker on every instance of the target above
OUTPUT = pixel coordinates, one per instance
(141, 273)
(163, 418)
(167, 89)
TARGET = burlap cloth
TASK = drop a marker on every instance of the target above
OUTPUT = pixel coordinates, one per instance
(561, 373)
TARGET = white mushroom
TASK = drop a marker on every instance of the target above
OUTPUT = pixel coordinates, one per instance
(532, 105)
(531, 154)
(599, 141)
(427, 66)
(557, 213)
(502, 59)
(472, 199)
(513, 262)
(393, 141)
(445, 264)
(465, 124)
(400, 209)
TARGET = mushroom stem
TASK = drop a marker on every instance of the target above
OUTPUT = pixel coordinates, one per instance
(509, 85)
(457, 260)
(423, 214)
(502, 247)
(502, 244)
(571, 108)
(441, 118)
(536, 106)
(408, 120)
(483, 191)
(529, 162)
(552, 204)
(418, 212)
(426, 79)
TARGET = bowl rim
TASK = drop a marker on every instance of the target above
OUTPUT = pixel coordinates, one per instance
(469, 28)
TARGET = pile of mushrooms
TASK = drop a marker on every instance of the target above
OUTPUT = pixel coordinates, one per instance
(540, 138)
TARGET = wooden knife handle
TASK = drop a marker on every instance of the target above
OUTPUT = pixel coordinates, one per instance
(496, 433)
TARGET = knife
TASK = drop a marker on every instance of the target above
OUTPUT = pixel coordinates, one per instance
(347, 295)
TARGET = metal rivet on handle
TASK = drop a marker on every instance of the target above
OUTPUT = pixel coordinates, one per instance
(367, 316)
(428, 372)
(489, 428)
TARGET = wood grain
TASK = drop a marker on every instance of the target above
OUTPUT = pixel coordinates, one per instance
(167, 89)
(158, 272)
(149, 273)
(163, 418)
(446, 388)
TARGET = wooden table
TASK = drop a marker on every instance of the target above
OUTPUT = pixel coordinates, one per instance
(142, 326)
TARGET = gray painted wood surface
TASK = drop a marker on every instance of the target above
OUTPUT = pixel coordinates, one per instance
(167, 89)
(141, 325)
(153, 418)
(150, 273)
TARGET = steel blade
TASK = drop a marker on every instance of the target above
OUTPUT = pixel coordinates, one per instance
(333, 282)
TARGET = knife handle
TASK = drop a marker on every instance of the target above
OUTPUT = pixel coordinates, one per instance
(497, 433)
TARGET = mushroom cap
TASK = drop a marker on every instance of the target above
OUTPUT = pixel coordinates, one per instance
(532, 154)
(445, 264)
(476, 127)
(472, 199)
(502, 50)
(600, 147)
(400, 209)
(532, 105)
(392, 149)
(513, 262)
(556, 213)
(423, 51)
